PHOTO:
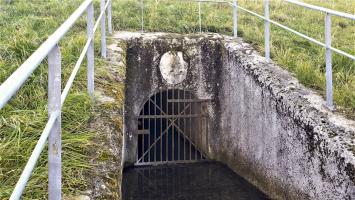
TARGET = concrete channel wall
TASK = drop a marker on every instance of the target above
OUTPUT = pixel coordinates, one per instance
(262, 123)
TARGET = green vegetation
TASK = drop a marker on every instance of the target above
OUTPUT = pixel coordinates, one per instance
(301, 57)
(26, 24)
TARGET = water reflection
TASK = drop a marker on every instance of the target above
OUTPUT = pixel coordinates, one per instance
(198, 181)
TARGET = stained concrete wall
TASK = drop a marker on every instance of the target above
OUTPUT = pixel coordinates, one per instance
(263, 124)
(143, 77)
(275, 132)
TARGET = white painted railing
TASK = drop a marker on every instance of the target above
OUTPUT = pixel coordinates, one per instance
(268, 21)
(56, 97)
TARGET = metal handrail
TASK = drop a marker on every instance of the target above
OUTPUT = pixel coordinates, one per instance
(17, 79)
(267, 29)
(298, 33)
(324, 10)
(327, 44)
(56, 98)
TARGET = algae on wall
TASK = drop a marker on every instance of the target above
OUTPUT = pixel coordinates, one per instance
(107, 122)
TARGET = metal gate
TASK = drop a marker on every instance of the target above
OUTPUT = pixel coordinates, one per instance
(172, 127)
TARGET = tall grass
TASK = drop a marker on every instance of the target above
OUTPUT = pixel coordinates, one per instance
(299, 56)
(24, 26)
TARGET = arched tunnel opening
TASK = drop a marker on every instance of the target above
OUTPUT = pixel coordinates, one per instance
(172, 128)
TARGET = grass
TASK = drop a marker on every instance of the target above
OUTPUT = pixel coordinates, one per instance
(26, 24)
(299, 56)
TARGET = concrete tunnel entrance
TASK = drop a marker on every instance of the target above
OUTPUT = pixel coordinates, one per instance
(208, 97)
(170, 122)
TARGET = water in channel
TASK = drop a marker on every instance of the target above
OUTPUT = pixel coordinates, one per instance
(195, 181)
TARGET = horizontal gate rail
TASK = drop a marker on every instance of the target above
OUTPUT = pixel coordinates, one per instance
(267, 21)
(56, 97)
(171, 116)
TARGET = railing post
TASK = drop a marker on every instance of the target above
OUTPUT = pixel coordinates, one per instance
(142, 17)
(103, 29)
(328, 61)
(267, 30)
(235, 18)
(199, 16)
(109, 16)
(54, 139)
(90, 53)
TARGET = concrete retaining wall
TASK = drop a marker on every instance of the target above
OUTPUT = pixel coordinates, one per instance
(263, 124)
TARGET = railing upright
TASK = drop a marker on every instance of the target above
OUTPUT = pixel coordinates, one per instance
(235, 18)
(199, 16)
(103, 29)
(90, 53)
(327, 44)
(54, 138)
(109, 17)
(328, 61)
(142, 16)
(267, 30)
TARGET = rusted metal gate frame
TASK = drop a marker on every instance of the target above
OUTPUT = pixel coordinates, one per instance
(173, 123)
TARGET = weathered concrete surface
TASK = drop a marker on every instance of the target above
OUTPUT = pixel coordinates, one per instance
(173, 67)
(107, 123)
(280, 138)
(263, 123)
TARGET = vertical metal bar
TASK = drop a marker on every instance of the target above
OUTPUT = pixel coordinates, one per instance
(54, 139)
(142, 13)
(90, 53)
(149, 120)
(173, 126)
(199, 16)
(155, 127)
(184, 125)
(161, 126)
(190, 124)
(201, 131)
(109, 16)
(267, 30)
(178, 123)
(195, 133)
(137, 149)
(143, 128)
(103, 29)
(167, 125)
(235, 18)
(206, 118)
(328, 61)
